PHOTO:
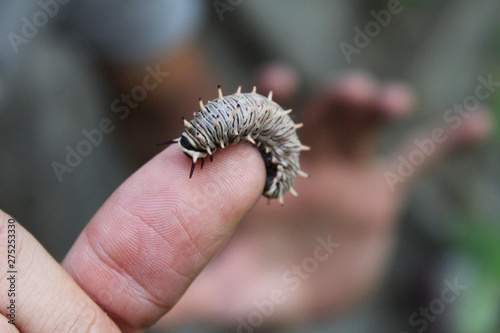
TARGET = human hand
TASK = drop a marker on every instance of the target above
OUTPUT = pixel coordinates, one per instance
(140, 251)
(347, 197)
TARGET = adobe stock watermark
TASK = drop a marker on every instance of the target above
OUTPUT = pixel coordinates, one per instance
(292, 278)
(222, 6)
(30, 27)
(363, 38)
(94, 137)
(420, 320)
(454, 117)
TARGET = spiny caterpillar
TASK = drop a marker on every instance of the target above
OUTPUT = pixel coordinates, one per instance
(251, 117)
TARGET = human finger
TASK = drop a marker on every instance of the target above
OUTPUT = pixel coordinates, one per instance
(159, 229)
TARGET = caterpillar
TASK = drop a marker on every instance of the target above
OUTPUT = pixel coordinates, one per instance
(250, 117)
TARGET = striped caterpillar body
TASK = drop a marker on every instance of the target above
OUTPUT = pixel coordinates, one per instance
(251, 117)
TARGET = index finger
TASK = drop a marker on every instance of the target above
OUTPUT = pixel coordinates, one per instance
(159, 229)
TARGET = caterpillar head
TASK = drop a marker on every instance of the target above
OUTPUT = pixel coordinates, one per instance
(186, 146)
(189, 148)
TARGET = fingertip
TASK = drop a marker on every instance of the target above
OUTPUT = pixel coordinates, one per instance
(396, 100)
(282, 79)
(357, 89)
(477, 127)
(238, 170)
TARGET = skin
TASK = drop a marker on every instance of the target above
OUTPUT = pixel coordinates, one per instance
(157, 232)
(347, 197)
(141, 250)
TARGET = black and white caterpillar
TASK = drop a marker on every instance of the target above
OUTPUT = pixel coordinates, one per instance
(251, 117)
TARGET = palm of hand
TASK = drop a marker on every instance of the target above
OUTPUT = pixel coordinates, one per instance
(347, 201)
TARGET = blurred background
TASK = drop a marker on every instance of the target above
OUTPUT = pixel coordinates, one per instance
(62, 76)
